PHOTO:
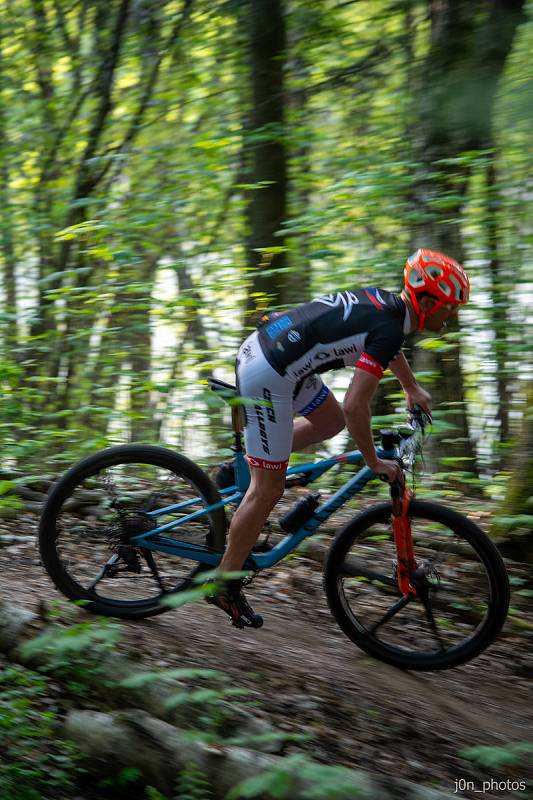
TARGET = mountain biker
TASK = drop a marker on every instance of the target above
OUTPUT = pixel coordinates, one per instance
(279, 365)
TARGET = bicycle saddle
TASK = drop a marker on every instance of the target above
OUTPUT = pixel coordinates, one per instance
(221, 386)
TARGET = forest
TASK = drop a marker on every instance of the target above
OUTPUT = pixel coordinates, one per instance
(169, 171)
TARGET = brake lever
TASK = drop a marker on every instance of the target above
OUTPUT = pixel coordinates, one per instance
(420, 417)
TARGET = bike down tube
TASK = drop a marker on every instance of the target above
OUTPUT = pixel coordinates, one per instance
(191, 551)
(256, 561)
(290, 542)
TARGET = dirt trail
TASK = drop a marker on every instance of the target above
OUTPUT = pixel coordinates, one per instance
(309, 678)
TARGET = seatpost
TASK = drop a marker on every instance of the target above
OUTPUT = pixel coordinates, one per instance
(237, 424)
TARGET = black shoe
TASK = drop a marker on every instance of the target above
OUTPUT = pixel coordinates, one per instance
(234, 603)
(224, 475)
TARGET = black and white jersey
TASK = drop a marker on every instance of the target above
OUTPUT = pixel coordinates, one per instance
(364, 328)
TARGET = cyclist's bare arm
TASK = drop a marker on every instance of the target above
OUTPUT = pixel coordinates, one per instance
(414, 393)
(359, 422)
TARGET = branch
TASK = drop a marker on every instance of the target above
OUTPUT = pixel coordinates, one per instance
(342, 77)
(42, 63)
(106, 76)
(149, 87)
(62, 132)
(70, 44)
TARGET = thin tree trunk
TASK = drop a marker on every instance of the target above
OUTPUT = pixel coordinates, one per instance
(6, 217)
(470, 42)
(267, 207)
(297, 288)
(499, 314)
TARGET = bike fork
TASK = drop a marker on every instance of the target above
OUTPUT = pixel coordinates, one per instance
(401, 526)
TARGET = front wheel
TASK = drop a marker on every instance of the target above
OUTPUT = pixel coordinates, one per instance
(462, 588)
(101, 503)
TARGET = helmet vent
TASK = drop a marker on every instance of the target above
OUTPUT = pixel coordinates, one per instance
(457, 287)
(434, 271)
(415, 279)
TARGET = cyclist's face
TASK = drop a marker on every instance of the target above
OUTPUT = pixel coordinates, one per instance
(443, 315)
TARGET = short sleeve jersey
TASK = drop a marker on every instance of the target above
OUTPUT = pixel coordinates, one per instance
(363, 328)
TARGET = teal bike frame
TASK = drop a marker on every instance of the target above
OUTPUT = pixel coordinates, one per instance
(156, 540)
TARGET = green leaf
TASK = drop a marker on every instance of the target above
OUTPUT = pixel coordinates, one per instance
(495, 757)
(145, 678)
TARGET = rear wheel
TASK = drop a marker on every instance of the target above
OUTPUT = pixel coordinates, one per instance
(99, 504)
(462, 588)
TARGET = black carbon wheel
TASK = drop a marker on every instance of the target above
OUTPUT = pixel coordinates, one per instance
(101, 502)
(463, 594)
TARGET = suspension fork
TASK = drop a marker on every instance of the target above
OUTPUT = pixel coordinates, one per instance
(401, 526)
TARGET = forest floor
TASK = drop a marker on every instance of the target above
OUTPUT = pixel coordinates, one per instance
(307, 677)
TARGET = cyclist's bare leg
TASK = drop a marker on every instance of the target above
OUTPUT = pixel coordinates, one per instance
(265, 489)
(323, 423)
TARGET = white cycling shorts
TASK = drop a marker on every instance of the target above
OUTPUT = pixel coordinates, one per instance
(269, 422)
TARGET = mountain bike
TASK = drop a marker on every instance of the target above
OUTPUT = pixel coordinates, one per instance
(409, 581)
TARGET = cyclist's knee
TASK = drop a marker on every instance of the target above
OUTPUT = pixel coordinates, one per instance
(336, 424)
(328, 418)
(266, 488)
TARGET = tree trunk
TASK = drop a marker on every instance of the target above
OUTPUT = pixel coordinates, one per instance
(519, 496)
(6, 221)
(501, 323)
(297, 287)
(267, 208)
(470, 42)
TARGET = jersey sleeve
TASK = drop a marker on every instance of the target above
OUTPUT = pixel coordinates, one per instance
(380, 348)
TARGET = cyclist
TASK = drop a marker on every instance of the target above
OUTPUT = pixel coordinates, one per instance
(280, 364)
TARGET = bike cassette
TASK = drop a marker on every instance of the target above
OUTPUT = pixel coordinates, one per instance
(127, 525)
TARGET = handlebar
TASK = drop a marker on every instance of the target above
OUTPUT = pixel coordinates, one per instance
(407, 439)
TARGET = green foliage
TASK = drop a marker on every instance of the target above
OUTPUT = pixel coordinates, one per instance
(143, 679)
(192, 785)
(505, 524)
(209, 582)
(35, 764)
(75, 654)
(279, 781)
(126, 778)
(496, 757)
(154, 794)
(128, 218)
(202, 697)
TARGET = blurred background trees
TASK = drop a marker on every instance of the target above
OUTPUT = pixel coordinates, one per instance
(170, 168)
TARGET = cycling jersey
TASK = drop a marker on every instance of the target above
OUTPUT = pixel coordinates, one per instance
(278, 364)
(365, 328)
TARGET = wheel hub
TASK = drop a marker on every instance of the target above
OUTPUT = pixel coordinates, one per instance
(127, 525)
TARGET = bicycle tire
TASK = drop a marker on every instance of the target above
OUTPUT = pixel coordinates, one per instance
(336, 570)
(125, 455)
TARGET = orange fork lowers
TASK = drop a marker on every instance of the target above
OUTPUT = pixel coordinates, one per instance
(401, 526)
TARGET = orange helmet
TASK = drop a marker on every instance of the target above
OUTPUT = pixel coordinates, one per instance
(438, 275)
